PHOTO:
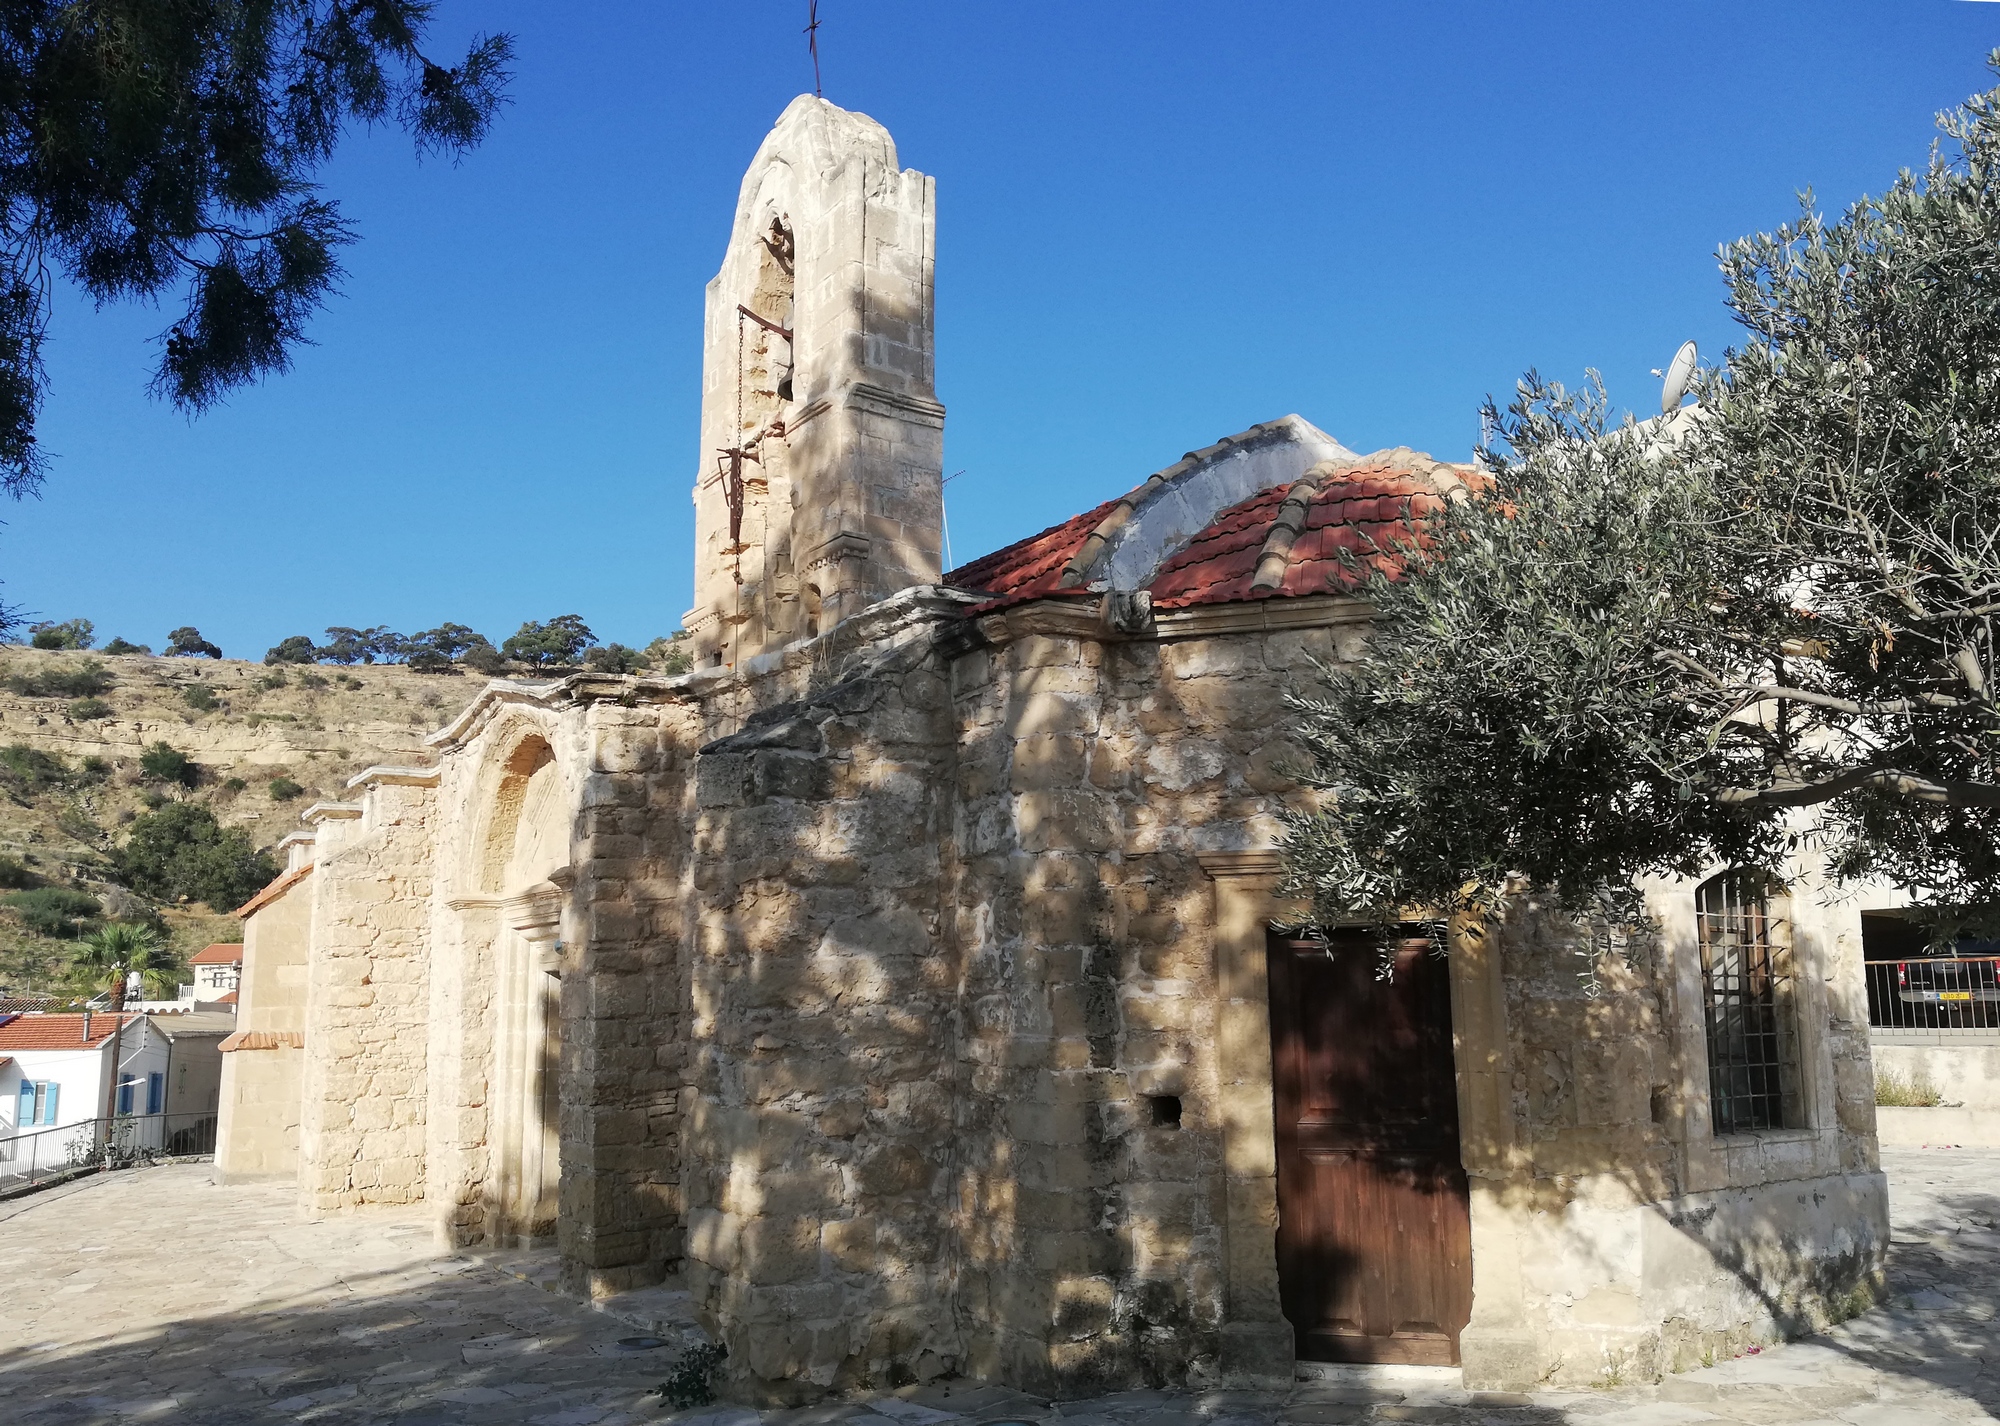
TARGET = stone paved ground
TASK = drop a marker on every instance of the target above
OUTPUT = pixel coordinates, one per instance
(154, 1296)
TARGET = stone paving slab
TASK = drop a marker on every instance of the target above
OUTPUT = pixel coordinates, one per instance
(154, 1296)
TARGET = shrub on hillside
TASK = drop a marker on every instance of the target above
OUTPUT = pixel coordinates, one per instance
(87, 680)
(54, 911)
(558, 643)
(26, 771)
(122, 646)
(70, 634)
(15, 876)
(94, 768)
(297, 649)
(200, 698)
(162, 763)
(484, 658)
(614, 658)
(86, 710)
(283, 789)
(180, 852)
(670, 655)
(187, 642)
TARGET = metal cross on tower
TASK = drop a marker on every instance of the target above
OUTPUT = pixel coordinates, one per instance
(812, 41)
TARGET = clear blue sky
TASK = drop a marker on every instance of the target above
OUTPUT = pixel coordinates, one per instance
(1158, 224)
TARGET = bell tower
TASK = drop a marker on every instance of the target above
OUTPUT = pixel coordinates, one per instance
(820, 485)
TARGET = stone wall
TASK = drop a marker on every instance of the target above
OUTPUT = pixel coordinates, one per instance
(905, 1018)
(1616, 1236)
(257, 1131)
(367, 999)
(625, 1002)
(1092, 776)
(822, 997)
(1966, 1073)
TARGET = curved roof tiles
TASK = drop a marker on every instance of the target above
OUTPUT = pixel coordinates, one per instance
(1313, 529)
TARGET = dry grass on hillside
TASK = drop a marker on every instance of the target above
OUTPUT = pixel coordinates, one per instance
(65, 799)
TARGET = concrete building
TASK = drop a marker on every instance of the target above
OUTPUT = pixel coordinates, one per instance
(59, 1073)
(218, 971)
(910, 983)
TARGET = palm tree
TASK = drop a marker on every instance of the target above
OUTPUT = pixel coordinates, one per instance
(106, 961)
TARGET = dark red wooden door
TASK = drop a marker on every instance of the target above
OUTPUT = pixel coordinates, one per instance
(1374, 1235)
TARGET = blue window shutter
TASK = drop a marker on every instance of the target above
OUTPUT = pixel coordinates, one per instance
(49, 1104)
(125, 1095)
(26, 1114)
(156, 1083)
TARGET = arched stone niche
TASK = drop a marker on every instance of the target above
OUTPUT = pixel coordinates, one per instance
(511, 928)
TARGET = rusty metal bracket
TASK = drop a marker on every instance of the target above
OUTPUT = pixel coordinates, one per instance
(765, 322)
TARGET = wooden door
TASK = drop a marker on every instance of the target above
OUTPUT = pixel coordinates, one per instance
(1374, 1233)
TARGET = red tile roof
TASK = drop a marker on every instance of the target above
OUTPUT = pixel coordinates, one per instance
(1365, 507)
(229, 999)
(1029, 569)
(1362, 512)
(222, 953)
(58, 1032)
(272, 892)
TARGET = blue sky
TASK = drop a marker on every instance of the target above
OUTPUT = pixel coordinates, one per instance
(1158, 224)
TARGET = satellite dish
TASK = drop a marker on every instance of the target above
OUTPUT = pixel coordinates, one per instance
(1680, 371)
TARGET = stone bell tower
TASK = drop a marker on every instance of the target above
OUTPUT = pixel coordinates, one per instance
(820, 486)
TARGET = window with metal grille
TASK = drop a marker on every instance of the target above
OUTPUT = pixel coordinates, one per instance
(1746, 985)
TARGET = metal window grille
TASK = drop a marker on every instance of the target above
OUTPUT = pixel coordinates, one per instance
(1745, 992)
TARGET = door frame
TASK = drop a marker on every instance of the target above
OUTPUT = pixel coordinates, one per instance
(1257, 1341)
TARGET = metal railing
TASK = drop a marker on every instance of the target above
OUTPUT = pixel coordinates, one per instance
(35, 1155)
(1935, 997)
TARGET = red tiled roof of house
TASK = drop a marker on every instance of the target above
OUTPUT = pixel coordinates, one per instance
(229, 999)
(222, 953)
(58, 1032)
(1361, 512)
(275, 890)
(1029, 569)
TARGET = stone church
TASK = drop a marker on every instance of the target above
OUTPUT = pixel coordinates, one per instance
(908, 983)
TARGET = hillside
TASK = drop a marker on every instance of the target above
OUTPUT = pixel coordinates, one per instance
(243, 724)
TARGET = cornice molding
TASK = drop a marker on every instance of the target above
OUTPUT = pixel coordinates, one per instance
(384, 775)
(1265, 865)
(1083, 615)
(330, 812)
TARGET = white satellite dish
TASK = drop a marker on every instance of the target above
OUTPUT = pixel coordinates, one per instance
(1680, 371)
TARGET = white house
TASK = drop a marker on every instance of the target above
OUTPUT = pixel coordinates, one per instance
(218, 971)
(57, 1073)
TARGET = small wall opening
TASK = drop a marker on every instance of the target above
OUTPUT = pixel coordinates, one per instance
(809, 603)
(1166, 1109)
(528, 757)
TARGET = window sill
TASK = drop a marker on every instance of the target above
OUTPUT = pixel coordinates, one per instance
(1747, 1137)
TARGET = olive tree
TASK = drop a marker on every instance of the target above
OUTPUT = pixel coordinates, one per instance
(1764, 620)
